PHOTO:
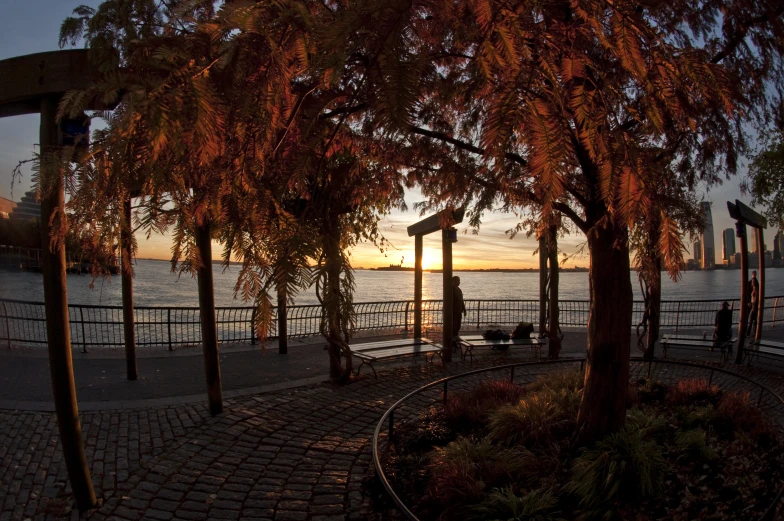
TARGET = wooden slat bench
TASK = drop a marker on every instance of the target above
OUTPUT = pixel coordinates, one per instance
(697, 342)
(371, 352)
(767, 348)
(469, 342)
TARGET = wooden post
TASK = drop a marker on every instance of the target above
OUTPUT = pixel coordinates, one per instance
(446, 244)
(744, 293)
(553, 340)
(542, 285)
(760, 311)
(209, 333)
(283, 334)
(126, 241)
(58, 328)
(418, 251)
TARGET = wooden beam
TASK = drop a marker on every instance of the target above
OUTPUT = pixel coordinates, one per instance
(446, 244)
(129, 328)
(744, 293)
(58, 327)
(761, 293)
(435, 222)
(742, 213)
(24, 80)
(209, 332)
(418, 250)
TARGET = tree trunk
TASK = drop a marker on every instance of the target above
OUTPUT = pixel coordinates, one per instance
(542, 285)
(554, 327)
(603, 405)
(209, 332)
(333, 307)
(654, 313)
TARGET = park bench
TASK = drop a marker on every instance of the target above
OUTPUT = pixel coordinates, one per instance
(370, 352)
(766, 348)
(697, 342)
(469, 342)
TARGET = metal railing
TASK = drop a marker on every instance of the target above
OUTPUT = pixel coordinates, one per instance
(431, 395)
(24, 323)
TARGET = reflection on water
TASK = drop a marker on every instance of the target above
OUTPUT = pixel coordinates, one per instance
(155, 285)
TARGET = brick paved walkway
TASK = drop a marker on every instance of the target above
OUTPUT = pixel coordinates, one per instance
(298, 454)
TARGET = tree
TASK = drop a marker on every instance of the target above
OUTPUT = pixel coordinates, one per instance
(766, 176)
(574, 106)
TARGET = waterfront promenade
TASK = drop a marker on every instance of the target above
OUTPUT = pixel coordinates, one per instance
(289, 446)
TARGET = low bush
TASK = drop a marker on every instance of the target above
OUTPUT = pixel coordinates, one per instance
(696, 417)
(471, 408)
(466, 468)
(623, 465)
(537, 505)
(531, 421)
(693, 390)
(693, 446)
(558, 381)
(736, 414)
(650, 390)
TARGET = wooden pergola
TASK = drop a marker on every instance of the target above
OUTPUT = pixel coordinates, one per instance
(743, 216)
(443, 221)
(35, 84)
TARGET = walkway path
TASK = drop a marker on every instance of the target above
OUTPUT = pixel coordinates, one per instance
(297, 454)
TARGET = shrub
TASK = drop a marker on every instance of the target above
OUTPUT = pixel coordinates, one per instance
(423, 433)
(693, 390)
(532, 420)
(538, 505)
(623, 465)
(650, 390)
(736, 414)
(693, 446)
(558, 381)
(694, 417)
(465, 468)
(648, 426)
(471, 408)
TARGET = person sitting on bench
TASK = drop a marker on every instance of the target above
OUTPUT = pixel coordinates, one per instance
(722, 329)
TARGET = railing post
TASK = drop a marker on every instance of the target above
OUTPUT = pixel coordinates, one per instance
(478, 309)
(446, 389)
(84, 336)
(168, 326)
(253, 327)
(407, 303)
(7, 325)
(775, 307)
(677, 316)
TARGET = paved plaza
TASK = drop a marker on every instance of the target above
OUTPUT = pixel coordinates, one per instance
(289, 445)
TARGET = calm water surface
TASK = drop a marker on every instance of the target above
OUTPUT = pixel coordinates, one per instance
(155, 285)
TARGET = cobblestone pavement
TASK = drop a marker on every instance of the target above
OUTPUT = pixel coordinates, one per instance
(300, 454)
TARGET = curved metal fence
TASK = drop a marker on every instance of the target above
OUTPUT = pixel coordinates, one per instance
(24, 323)
(435, 393)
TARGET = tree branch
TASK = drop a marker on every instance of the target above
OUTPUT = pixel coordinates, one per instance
(571, 214)
(468, 147)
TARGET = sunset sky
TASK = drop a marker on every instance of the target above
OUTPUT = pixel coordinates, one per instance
(32, 26)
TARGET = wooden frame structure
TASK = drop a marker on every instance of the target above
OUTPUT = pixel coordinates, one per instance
(32, 84)
(443, 221)
(743, 216)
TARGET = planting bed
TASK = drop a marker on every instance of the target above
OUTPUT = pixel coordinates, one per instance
(506, 452)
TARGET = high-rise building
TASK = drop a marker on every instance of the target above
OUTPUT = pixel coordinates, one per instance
(781, 242)
(706, 238)
(728, 244)
(751, 232)
(776, 249)
(698, 253)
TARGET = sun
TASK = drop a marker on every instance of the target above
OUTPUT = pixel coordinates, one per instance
(429, 260)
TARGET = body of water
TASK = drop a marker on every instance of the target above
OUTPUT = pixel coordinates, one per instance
(155, 285)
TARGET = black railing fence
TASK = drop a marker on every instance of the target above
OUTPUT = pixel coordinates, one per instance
(23, 323)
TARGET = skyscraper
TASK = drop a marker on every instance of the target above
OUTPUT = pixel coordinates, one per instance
(706, 238)
(776, 249)
(698, 253)
(728, 245)
(754, 246)
(781, 242)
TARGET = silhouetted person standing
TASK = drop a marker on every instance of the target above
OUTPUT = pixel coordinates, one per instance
(722, 328)
(458, 306)
(754, 291)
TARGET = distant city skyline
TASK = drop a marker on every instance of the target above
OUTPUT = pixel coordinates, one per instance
(33, 26)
